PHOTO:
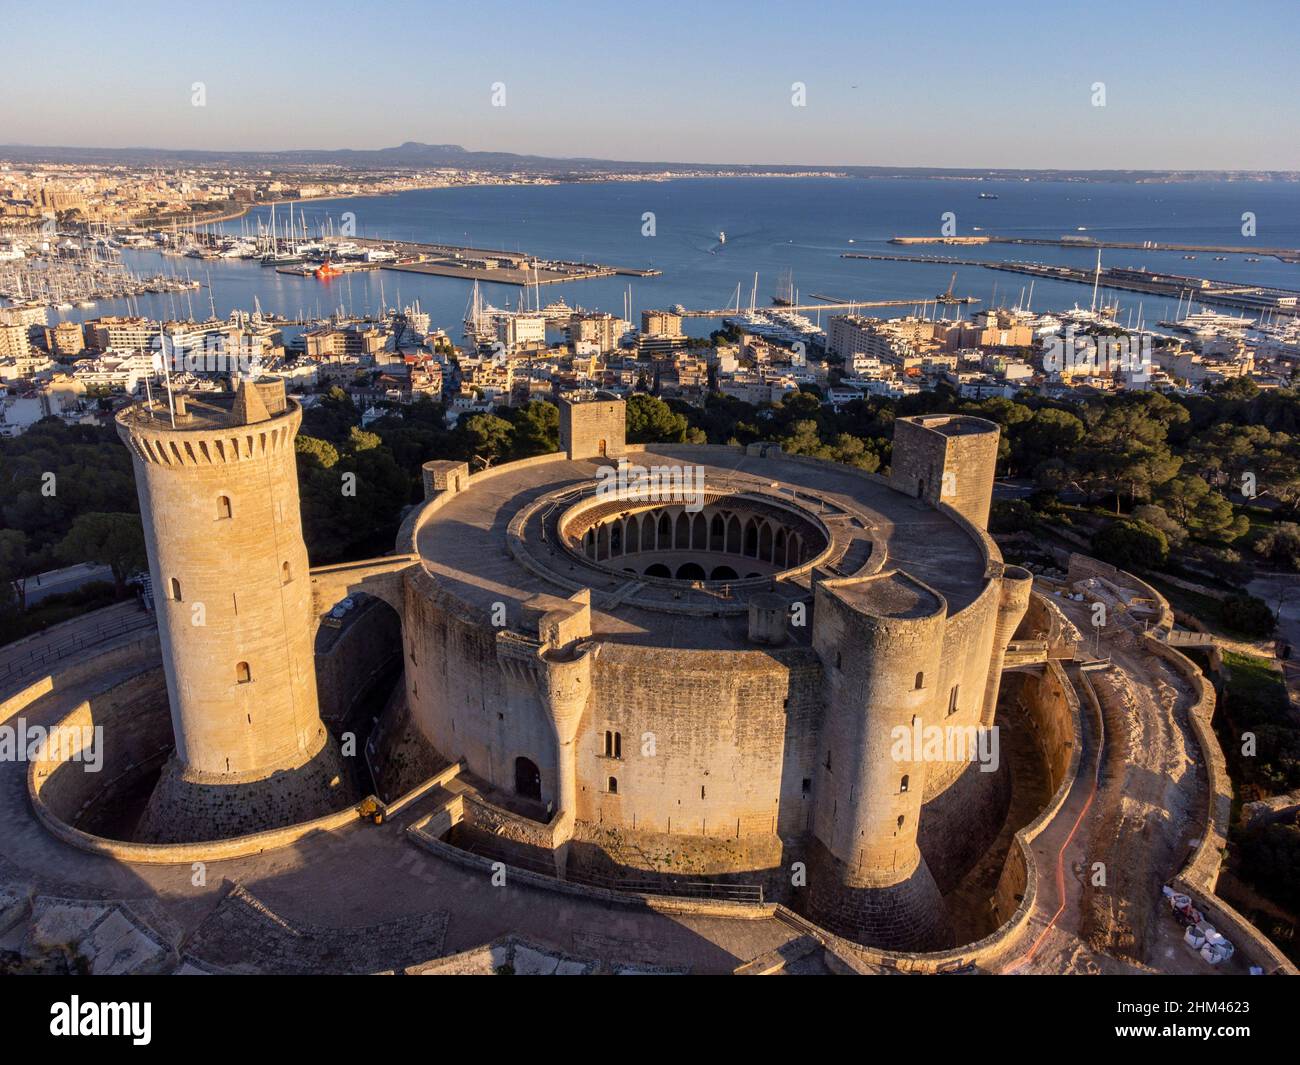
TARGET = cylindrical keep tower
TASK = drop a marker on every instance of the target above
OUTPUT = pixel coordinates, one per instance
(219, 501)
(879, 640)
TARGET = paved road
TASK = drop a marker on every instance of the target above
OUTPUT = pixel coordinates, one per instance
(1284, 589)
(27, 657)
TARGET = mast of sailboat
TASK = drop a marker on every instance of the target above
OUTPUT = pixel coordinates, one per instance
(1096, 280)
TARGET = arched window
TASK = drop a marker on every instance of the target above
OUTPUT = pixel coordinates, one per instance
(733, 535)
(618, 745)
(699, 533)
(682, 537)
(285, 574)
(902, 787)
(242, 673)
(613, 785)
(223, 507)
(174, 589)
(920, 681)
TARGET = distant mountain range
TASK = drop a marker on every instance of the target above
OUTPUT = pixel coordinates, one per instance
(414, 156)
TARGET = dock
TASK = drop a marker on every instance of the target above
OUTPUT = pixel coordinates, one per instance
(1286, 255)
(1230, 294)
(493, 264)
(832, 305)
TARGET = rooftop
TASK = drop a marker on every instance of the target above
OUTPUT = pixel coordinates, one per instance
(250, 405)
(954, 424)
(890, 595)
(466, 545)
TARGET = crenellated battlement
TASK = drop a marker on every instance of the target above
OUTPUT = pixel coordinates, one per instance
(256, 421)
(154, 441)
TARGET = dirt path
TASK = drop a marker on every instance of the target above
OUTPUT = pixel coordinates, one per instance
(1149, 810)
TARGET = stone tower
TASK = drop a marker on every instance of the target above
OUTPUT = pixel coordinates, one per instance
(879, 639)
(591, 428)
(947, 458)
(219, 501)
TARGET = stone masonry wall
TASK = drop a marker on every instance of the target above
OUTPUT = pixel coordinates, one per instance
(588, 429)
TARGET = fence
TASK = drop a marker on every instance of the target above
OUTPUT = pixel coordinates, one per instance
(33, 661)
(672, 887)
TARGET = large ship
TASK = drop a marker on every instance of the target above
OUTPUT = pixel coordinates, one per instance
(1206, 322)
(326, 270)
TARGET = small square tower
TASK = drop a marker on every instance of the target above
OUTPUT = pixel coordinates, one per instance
(593, 428)
(947, 458)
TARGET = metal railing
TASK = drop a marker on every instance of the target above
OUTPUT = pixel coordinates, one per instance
(34, 660)
(672, 887)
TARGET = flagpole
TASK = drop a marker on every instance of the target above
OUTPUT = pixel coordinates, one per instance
(162, 346)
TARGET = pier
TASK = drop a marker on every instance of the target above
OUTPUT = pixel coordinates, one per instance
(1286, 255)
(1212, 293)
(835, 305)
(493, 265)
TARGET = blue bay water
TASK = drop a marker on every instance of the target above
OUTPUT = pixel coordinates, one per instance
(772, 225)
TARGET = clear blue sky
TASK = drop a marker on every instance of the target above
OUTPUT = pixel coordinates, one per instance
(921, 83)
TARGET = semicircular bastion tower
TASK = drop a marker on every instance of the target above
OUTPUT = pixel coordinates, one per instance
(218, 487)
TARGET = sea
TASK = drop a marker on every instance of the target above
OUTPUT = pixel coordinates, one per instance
(773, 226)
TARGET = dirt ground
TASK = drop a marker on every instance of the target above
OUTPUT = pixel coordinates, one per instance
(1148, 813)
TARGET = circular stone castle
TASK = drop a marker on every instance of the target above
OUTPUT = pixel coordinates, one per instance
(710, 652)
(640, 662)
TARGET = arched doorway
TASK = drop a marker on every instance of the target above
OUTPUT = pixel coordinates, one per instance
(528, 779)
(690, 571)
(658, 569)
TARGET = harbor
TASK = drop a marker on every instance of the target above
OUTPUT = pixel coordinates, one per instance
(1217, 293)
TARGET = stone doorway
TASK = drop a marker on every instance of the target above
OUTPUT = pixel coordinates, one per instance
(528, 779)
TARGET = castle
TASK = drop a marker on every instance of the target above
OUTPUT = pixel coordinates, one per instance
(649, 660)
